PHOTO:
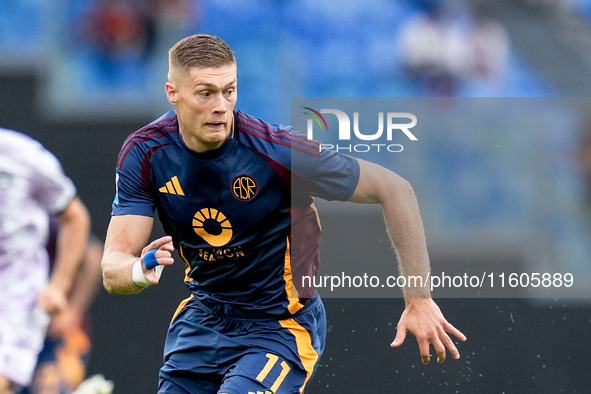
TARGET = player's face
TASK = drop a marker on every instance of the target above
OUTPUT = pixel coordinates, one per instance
(205, 100)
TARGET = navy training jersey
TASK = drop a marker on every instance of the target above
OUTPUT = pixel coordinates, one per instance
(241, 216)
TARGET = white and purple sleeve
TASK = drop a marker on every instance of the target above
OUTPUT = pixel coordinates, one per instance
(51, 187)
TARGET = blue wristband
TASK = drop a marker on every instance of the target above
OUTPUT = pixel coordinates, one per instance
(150, 260)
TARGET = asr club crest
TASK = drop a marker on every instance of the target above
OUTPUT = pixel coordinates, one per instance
(244, 187)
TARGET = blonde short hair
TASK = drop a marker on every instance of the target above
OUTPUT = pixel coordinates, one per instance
(200, 51)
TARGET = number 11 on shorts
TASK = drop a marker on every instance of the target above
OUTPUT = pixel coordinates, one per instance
(267, 368)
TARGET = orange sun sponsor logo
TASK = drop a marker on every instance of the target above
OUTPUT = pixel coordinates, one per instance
(213, 226)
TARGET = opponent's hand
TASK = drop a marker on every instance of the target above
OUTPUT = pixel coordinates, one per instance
(163, 247)
(69, 318)
(423, 318)
(52, 299)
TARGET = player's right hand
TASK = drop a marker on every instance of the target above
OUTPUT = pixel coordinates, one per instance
(52, 299)
(163, 247)
(69, 318)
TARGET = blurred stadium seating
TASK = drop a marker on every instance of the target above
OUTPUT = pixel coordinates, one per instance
(308, 48)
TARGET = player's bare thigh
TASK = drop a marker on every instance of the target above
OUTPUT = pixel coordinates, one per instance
(5, 385)
(48, 379)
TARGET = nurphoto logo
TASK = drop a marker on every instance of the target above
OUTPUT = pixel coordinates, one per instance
(345, 130)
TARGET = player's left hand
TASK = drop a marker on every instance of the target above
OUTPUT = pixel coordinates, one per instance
(52, 299)
(423, 318)
(163, 248)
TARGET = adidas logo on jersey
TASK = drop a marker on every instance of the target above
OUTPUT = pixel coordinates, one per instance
(172, 187)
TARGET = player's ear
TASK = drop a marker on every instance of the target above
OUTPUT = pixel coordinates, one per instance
(171, 93)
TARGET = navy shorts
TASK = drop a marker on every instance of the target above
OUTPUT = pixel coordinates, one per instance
(218, 349)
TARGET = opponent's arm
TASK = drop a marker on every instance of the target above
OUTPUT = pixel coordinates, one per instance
(87, 281)
(84, 289)
(422, 316)
(126, 237)
(71, 243)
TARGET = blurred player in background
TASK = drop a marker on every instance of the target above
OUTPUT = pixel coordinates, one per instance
(61, 366)
(235, 196)
(32, 187)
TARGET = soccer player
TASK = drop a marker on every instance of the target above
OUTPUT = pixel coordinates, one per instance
(32, 187)
(61, 365)
(235, 196)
